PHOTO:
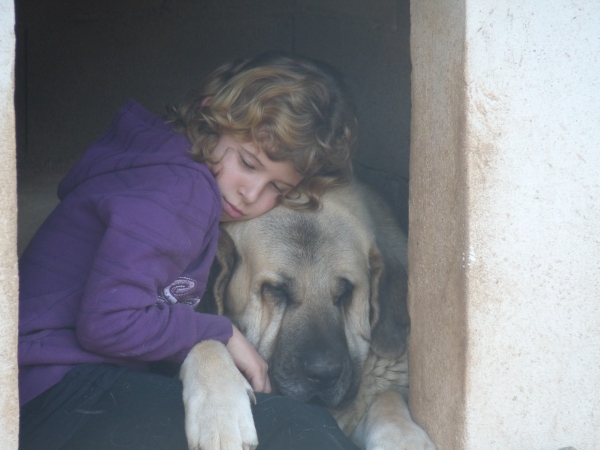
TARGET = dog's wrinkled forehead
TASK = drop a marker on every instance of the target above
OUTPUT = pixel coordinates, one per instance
(306, 241)
(302, 239)
(287, 241)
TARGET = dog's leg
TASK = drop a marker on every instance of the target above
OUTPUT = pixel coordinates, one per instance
(217, 400)
(388, 426)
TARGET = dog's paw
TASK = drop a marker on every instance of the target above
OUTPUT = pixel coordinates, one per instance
(217, 401)
(417, 439)
(389, 426)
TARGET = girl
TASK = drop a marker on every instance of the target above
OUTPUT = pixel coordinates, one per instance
(110, 281)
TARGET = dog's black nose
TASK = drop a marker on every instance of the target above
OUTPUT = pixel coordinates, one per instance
(322, 370)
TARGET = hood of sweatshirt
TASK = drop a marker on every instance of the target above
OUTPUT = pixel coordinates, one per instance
(155, 143)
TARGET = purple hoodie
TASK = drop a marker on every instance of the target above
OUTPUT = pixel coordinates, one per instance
(114, 273)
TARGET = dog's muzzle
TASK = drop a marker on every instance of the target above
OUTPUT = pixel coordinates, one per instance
(314, 373)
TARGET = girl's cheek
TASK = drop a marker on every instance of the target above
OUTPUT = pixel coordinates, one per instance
(271, 203)
(277, 198)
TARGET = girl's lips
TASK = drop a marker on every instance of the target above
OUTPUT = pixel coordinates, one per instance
(231, 210)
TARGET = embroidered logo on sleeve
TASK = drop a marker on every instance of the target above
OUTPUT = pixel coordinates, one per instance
(180, 291)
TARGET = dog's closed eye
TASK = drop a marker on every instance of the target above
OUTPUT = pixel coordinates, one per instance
(276, 293)
(344, 291)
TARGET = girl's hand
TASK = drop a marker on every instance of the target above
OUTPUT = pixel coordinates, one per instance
(249, 362)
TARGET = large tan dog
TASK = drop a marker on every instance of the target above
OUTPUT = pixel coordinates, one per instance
(322, 296)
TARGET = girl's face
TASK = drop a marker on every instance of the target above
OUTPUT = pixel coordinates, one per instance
(250, 183)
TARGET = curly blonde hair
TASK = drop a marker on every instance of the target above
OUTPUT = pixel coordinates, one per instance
(292, 108)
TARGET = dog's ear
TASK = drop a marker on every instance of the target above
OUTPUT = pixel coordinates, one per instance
(389, 318)
(223, 267)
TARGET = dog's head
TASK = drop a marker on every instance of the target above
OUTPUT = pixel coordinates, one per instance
(314, 292)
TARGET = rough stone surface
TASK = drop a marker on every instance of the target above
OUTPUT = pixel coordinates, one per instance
(504, 247)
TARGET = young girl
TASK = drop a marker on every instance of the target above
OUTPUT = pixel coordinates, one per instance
(110, 281)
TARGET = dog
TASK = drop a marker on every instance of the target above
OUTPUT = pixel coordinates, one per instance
(322, 296)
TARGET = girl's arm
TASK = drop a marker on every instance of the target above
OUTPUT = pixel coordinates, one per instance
(249, 362)
(152, 236)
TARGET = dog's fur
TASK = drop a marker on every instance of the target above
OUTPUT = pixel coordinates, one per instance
(322, 296)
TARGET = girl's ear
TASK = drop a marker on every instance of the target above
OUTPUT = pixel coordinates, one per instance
(206, 101)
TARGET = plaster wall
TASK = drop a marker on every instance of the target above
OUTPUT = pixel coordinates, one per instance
(533, 260)
(9, 402)
(524, 262)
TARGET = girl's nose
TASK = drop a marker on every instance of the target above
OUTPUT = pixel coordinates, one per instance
(250, 192)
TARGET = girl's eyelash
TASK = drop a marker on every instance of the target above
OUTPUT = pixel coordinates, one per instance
(246, 163)
(277, 188)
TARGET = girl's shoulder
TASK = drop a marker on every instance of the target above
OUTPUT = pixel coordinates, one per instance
(139, 149)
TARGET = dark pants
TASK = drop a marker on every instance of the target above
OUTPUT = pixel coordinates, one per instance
(99, 407)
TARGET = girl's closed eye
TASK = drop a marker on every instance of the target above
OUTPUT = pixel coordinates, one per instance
(279, 189)
(245, 163)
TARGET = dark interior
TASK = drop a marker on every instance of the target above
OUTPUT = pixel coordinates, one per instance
(78, 61)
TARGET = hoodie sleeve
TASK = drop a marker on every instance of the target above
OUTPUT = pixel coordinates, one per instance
(153, 236)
